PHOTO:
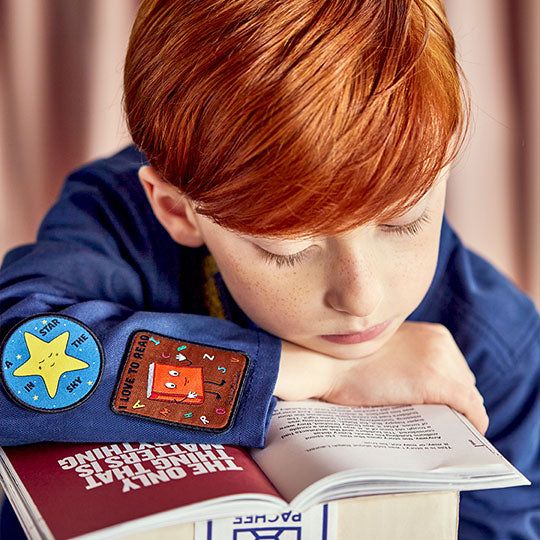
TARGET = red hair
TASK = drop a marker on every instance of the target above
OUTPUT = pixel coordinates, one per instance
(284, 117)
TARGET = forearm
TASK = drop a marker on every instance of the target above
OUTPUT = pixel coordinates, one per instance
(96, 420)
(419, 364)
(304, 374)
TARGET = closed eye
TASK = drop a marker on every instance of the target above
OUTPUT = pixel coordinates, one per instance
(410, 228)
(284, 260)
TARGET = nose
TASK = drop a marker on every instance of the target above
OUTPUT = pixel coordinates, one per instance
(354, 285)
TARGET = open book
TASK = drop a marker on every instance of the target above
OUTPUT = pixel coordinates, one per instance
(316, 452)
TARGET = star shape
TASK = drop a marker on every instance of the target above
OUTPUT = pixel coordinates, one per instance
(49, 360)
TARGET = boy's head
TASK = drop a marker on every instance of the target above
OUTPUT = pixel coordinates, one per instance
(316, 127)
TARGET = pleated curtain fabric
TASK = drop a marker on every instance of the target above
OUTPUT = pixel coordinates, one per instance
(494, 194)
(60, 99)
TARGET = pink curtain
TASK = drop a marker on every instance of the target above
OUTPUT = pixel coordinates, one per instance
(494, 193)
(60, 99)
(60, 94)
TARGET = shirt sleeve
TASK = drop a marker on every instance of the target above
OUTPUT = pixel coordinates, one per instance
(497, 328)
(512, 400)
(102, 263)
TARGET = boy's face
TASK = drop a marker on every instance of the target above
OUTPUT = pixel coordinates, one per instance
(343, 295)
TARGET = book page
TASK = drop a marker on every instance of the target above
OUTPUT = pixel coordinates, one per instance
(310, 440)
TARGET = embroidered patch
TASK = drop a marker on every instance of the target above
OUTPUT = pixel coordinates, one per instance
(51, 362)
(180, 382)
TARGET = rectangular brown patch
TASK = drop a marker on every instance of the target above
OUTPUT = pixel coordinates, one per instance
(180, 382)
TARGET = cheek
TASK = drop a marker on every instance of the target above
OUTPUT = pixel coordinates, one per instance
(421, 266)
(271, 298)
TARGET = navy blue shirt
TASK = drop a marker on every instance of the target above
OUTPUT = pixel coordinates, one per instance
(102, 258)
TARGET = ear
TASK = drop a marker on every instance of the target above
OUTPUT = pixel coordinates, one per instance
(172, 208)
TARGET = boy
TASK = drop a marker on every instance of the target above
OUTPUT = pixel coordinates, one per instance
(289, 213)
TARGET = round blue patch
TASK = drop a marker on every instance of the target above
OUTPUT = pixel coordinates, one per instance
(51, 362)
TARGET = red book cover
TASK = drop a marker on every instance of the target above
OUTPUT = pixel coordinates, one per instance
(79, 489)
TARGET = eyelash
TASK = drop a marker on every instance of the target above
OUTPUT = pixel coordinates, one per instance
(411, 228)
(284, 260)
(290, 260)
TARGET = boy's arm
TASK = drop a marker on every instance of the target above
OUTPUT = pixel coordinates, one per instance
(93, 263)
(513, 400)
(420, 363)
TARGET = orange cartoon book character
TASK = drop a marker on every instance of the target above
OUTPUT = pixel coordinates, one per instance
(179, 384)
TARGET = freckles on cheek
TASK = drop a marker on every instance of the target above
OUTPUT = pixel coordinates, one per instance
(411, 274)
(268, 298)
(248, 286)
(426, 264)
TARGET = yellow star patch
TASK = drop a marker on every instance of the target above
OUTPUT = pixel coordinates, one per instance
(49, 360)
